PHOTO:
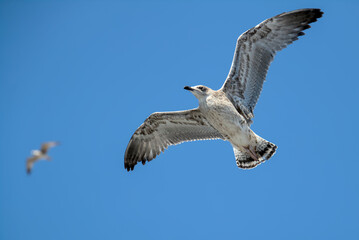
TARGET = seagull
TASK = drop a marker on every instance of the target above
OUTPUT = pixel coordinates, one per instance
(226, 113)
(39, 155)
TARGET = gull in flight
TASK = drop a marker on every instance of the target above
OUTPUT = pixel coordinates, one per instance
(226, 113)
(39, 155)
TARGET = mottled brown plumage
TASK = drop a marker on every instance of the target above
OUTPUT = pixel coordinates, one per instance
(226, 113)
(254, 52)
(163, 129)
(39, 155)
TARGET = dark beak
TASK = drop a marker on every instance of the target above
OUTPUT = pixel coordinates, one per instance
(188, 88)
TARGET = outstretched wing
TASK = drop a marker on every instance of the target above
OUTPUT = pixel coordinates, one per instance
(256, 49)
(163, 129)
(46, 146)
(30, 162)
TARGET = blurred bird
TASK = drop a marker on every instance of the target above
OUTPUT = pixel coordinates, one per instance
(39, 155)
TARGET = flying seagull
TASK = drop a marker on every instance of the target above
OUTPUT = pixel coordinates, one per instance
(226, 113)
(39, 155)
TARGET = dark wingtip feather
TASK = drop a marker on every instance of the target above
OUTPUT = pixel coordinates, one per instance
(130, 166)
(306, 27)
(317, 14)
(312, 16)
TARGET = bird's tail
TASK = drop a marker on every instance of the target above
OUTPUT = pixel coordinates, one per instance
(263, 151)
(264, 148)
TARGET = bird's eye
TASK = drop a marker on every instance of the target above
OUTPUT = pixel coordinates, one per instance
(201, 88)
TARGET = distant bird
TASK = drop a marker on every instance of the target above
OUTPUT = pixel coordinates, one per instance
(226, 113)
(39, 155)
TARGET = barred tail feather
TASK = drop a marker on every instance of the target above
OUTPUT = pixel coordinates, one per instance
(264, 150)
(245, 160)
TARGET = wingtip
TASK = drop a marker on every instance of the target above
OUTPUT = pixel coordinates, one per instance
(129, 167)
(315, 13)
(318, 13)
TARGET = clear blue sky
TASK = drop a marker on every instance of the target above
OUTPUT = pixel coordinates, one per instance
(88, 73)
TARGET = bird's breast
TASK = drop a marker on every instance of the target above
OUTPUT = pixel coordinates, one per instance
(223, 116)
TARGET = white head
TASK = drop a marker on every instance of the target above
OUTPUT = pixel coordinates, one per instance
(36, 153)
(200, 91)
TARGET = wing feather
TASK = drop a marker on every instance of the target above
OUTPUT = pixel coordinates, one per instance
(255, 51)
(47, 145)
(164, 129)
(30, 162)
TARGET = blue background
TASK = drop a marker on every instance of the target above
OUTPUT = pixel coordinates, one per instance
(87, 73)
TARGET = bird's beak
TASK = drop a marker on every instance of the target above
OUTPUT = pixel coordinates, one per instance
(188, 88)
